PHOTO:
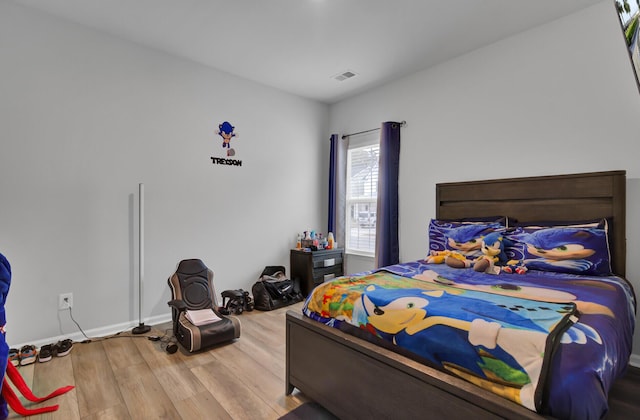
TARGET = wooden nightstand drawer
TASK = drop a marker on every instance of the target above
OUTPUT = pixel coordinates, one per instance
(328, 261)
(314, 267)
(324, 274)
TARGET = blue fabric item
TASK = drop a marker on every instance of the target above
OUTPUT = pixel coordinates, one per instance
(387, 244)
(462, 237)
(331, 225)
(337, 187)
(591, 354)
(563, 249)
(5, 282)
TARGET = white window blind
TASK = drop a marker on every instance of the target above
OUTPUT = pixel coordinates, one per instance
(362, 195)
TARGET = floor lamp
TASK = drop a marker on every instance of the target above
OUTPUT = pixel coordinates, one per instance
(141, 328)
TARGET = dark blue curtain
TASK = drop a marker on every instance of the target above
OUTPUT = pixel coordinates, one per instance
(337, 187)
(332, 184)
(387, 245)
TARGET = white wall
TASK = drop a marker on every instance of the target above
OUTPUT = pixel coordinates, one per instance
(84, 118)
(560, 98)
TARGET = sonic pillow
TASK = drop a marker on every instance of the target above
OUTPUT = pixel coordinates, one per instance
(463, 236)
(575, 249)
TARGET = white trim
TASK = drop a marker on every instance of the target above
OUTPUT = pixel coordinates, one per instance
(105, 331)
(635, 360)
(360, 253)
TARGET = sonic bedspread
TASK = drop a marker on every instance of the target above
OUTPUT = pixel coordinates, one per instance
(515, 335)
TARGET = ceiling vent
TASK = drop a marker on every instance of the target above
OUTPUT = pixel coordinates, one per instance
(344, 76)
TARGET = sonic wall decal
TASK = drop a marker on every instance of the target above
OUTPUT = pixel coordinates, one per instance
(226, 131)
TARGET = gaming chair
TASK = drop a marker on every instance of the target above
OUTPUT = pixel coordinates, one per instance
(191, 290)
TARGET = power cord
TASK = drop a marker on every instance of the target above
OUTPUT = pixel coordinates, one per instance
(116, 335)
(168, 341)
(78, 325)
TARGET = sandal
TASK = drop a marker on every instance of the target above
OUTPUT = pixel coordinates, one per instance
(62, 348)
(14, 357)
(46, 353)
(28, 354)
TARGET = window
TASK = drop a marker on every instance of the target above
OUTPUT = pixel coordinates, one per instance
(362, 195)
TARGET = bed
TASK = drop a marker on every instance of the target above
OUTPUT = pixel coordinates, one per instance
(385, 381)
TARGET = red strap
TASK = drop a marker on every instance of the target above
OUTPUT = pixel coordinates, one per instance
(13, 400)
(16, 378)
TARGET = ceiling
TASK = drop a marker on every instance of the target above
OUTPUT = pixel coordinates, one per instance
(299, 46)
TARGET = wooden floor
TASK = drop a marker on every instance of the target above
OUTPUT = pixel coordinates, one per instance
(134, 378)
(624, 401)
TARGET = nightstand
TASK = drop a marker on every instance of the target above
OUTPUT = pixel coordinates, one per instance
(312, 268)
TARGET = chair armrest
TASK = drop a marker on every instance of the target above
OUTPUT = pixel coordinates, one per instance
(177, 304)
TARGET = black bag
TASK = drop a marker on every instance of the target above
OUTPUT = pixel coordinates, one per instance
(274, 290)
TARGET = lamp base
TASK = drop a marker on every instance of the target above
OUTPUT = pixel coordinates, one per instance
(141, 329)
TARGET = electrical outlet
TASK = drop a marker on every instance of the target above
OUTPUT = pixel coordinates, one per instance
(65, 301)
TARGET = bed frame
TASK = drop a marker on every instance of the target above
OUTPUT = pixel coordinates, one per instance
(384, 384)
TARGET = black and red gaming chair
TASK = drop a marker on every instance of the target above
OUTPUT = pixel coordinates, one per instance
(192, 289)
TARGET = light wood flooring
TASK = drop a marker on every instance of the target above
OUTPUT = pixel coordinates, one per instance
(134, 378)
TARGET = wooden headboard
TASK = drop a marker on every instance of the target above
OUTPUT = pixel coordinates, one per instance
(574, 197)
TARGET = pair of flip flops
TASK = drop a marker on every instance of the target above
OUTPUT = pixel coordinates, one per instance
(25, 356)
(61, 348)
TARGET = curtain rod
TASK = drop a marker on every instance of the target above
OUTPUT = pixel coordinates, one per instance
(402, 123)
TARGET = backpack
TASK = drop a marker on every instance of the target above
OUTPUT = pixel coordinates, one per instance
(274, 290)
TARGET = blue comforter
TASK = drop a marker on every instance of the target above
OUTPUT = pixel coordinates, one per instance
(554, 343)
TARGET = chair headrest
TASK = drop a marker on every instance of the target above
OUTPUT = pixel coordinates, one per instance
(192, 266)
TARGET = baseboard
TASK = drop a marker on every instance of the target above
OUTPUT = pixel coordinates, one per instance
(100, 332)
(635, 360)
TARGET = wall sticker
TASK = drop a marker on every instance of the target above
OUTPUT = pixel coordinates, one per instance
(226, 131)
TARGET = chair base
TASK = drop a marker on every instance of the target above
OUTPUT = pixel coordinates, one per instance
(195, 338)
